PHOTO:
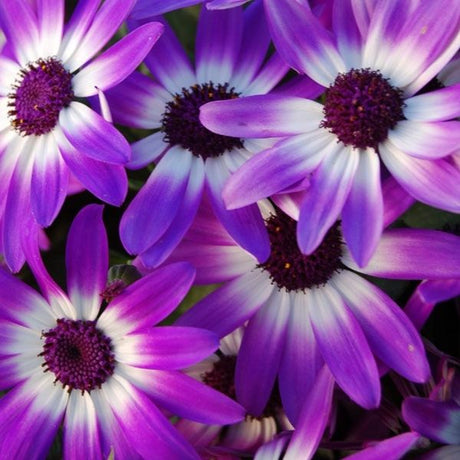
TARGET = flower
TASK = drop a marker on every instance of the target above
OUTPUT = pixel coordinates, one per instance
(305, 313)
(47, 134)
(373, 65)
(101, 372)
(190, 159)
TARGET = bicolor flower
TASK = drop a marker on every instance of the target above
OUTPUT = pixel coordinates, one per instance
(305, 312)
(46, 133)
(373, 65)
(103, 374)
(231, 47)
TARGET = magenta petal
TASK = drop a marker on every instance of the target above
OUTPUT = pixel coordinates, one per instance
(94, 137)
(189, 398)
(390, 333)
(87, 256)
(231, 305)
(260, 353)
(396, 200)
(405, 253)
(148, 300)
(169, 347)
(344, 347)
(313, 418)
(162, 195)
(115, 64)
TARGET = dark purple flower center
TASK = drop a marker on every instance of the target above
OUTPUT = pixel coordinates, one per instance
(361, 107)
(43, 88)
(182, 126)
(79, 354)
(292, 270)
(222, 378)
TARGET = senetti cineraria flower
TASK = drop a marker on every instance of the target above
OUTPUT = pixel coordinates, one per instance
(100, 373)
(231, 46)
(372, 64)
(307, 311)
(46, 133)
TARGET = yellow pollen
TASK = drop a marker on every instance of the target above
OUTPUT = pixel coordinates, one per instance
(287, 265)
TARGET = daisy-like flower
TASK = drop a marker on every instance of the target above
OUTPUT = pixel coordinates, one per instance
(100, 372)
(243, 438)
(46, 133)
(307, 311)
(231, 46)
(373, 63)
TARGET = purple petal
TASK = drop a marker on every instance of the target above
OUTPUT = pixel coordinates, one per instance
(314, 415)
(261, 116)
(115, 64)
(434, 182)
(187, 397)
(149, 8)
(87, 256)
(301, 360)
(190, 202)
(436, 420)
(390, 333)
(50, 177)
(260, 353)
(147, 150)
(246, 224)
(148, 300)
(218, 41)
(89, 133)
(413, 254)
(394, 447)
(362, 215)
(396, 200)
(344, 347)
(275, 169)
(50, 22)
(439, 290)
(162, 195)
(426, 140)
(145, 427)
(313, 53)
(81, 430)
(231, 305)
(97, 32)
(169, 347)
(325, 198)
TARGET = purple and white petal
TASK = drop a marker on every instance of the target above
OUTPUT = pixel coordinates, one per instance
(115, 64)
(406, 253)
(166, 188)
(396, 200)
(50, 25)
(147, 150)
(426, 140)
(262, 116)
(326, 196)
(218, 42)
(87, 256)
(362, 214)
(231, 305)
(434, 182)
(169, 347)
(9, 68)
(90, 134)
(344, 347)
(313, 53)
(390, 333)
(260, 353)
(148, 300)
(314, 415)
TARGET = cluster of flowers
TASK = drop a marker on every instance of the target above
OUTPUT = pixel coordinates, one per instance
(276, 169)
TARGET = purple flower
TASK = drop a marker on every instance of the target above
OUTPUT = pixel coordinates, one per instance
(307, 311)
(373, 64)
(47, 135)
(231, 47)
(99, 372)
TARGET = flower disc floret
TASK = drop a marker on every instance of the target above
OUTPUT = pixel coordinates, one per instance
(361, 107)
(292, 270)
(79, 354)
(41, 91)
(182, 126)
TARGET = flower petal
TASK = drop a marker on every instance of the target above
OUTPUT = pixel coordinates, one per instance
(147, 150)
(50, 23)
